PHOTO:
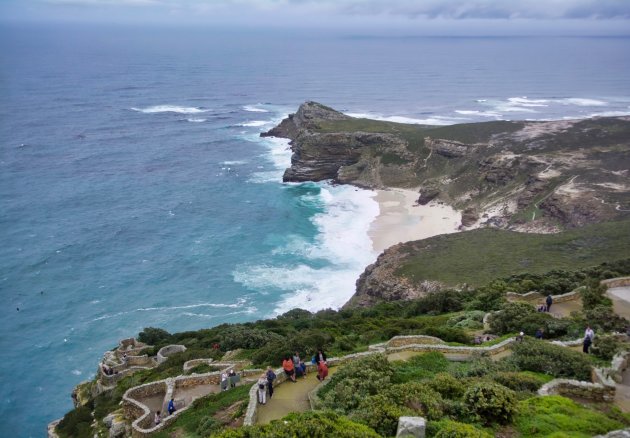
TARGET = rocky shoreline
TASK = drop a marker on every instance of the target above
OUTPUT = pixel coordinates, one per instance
(533, 177)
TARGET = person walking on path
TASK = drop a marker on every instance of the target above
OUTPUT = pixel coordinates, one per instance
(549, 302)
(171, 406)
(157, 418)
(322, 371)
(589, 334)
(271, 376)
(289, 368)
(262, 392)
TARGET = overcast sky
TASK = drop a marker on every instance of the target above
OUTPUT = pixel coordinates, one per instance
(367, 16)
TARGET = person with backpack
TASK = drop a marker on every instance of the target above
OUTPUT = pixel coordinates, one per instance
(271, 376)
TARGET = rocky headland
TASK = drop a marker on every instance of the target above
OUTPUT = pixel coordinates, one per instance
(524, 176)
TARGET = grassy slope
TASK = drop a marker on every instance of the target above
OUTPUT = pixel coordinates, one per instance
(479, 256)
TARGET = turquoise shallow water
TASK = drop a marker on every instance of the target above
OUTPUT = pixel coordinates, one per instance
(136, 192)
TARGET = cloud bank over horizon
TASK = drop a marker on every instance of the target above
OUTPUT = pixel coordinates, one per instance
(354, 14)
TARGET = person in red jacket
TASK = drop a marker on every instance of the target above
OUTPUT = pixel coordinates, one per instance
(289, 368)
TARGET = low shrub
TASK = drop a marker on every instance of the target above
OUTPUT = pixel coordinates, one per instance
(490, 402)
(447, 386)
(544, 416)
(605, 347)
(542, 357)
(516, 317)
(244, 337)
(420, 367)
(356, 381)
(418, 396)
(208, 426)
(518, 381)
(308, 424)
(77, 423)
(381, 414)
(454, 429)
(153, 336)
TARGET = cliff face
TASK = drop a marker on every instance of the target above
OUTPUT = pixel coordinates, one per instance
(522, 176)
(527, 176)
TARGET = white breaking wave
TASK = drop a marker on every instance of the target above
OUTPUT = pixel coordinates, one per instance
(478, 113)
(196, 120)
(436, 120)
(171, 109)
(256, 123)
(254, 109)
(582, 102)
(610, 114)
(239, 303)
(342, 240)
(279, 156)
(233, 163)
(247, 311)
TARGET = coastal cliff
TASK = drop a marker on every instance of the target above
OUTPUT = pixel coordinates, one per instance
(526, 176)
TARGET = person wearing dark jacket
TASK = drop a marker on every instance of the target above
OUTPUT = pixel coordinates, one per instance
(271, 376)
(549, 302)
(320, 356)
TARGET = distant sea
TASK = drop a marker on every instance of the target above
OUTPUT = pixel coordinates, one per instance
(135, 190)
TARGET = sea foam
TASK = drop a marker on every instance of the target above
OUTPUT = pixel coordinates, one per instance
(171, 109)
(342, 243)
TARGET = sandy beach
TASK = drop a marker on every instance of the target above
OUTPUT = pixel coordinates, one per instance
(400, 219)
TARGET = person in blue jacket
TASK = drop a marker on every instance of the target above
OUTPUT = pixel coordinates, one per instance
(171, 407)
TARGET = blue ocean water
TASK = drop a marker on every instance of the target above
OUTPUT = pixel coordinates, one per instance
(135, 190)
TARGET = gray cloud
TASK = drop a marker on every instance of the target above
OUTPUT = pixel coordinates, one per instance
(432, 9)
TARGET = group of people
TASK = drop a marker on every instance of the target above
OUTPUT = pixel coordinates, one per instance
(293, 367)
(224, 380)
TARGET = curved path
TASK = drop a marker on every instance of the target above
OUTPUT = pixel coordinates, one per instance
(620, 297)
(289, 397)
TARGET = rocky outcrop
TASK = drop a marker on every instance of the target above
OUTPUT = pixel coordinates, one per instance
(448, 148)
(379, 282)
(514, 175)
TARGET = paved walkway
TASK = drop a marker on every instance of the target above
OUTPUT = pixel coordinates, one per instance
(620, 297)
(289, 397)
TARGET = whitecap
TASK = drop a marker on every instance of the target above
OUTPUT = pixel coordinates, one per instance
(279, 156)
(239, 303)
(76, 372)
(171, 109)
(342, 241)
(255, 123)
(610, 114)
(582, 102)
(196, 120)
(233, 163)
(478, 113)
(254, 109)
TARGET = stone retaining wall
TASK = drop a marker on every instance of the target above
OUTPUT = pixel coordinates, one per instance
(142, 425)
(167, 351)
(575, 388)
(398, 341)
(190, 364)
(616, 282)
(536, 297)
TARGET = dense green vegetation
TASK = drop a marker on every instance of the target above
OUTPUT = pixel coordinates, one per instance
(477, 257)
(201, 419)
(475, 397)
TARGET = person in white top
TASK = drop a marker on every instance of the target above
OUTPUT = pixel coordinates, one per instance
(589, 332)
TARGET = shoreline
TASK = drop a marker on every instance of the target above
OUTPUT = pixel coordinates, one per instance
(401, 219)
